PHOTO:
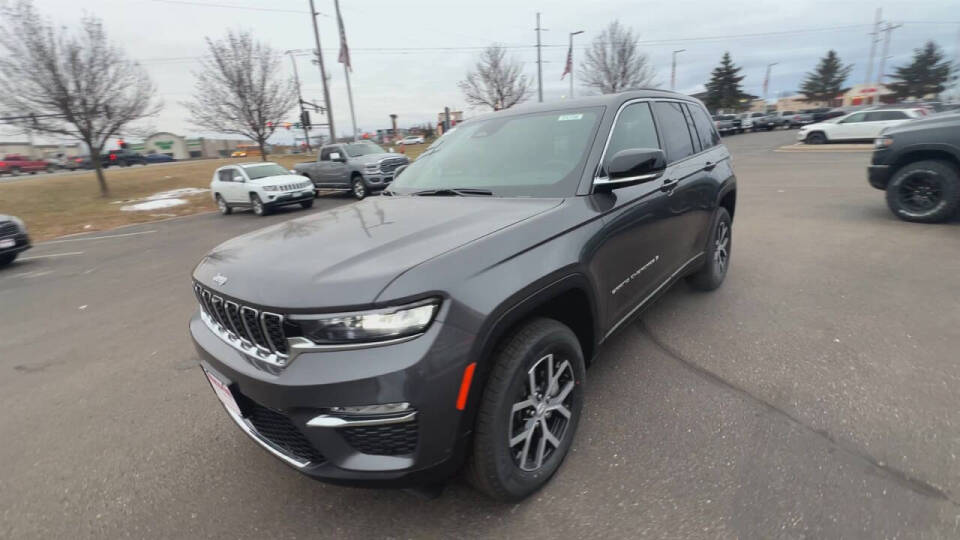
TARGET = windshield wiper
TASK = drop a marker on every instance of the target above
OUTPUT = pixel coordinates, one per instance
(446, 192)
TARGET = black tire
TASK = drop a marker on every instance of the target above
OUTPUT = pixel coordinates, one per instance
(719, 243)
(816, 137)
(14, 171)
(257, 205)
(222, 205)
(358, 188)
(924, 191)
(494, 467)
(306, 204)
(7, 259)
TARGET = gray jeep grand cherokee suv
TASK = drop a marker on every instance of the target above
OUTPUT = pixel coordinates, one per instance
(450, 321)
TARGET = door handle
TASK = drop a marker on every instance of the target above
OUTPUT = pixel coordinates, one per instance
(669, 184)
(709, 166)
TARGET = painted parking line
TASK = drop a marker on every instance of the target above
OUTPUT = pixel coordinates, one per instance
(96, 237)
(51, 255)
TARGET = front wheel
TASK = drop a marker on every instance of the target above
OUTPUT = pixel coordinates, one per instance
(529, 411)
(223, 206)
(714, 270)
(306, 204)
(258, 207)
(358, 188)
(924, 191)
(816, 138)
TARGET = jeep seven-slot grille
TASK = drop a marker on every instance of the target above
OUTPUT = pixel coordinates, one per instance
(252, 327)
(8, 228)
(389, 165)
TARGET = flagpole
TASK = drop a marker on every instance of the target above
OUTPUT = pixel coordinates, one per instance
(346, 67)
(570, 60)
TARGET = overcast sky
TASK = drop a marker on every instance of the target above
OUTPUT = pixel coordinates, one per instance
(167, 36)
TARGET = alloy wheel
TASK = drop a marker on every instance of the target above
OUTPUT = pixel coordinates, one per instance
(920, 192)
(721, 245)
(257, 206)
(358, 190)
(539, 420)
(222, 205)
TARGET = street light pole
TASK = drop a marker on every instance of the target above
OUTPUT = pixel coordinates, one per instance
(323, 74)
(571, 60)
(766, 84)
(539, 63)
(673, 70)
(296, 79)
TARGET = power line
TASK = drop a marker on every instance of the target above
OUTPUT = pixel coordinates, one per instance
(235, 6)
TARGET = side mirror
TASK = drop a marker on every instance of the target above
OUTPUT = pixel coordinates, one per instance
(238, 178)
(399, 170)
(335, 156)
(293, 172)
(632, 166)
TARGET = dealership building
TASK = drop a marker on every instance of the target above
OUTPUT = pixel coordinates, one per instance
(179, 147)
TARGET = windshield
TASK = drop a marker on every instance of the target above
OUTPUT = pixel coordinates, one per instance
(265, 170)
(533, 155)
(363, 148)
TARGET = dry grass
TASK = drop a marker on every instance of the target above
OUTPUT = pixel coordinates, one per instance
(68, 204)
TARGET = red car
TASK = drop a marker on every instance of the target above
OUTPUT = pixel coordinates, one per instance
(15, 164)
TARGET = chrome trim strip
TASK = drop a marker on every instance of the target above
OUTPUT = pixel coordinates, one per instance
(607, 181)
(262, 441)
(299, 345)
(225, 335)
(253, 337)
(329, 421)
(266, 332)
(652, 293)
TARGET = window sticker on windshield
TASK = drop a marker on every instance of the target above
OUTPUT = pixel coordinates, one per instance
(565, 117)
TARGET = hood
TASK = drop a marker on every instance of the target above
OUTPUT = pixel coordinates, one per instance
(347, 255)
(950, 120)
(374, 158)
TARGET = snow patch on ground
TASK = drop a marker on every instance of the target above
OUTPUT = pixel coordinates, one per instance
(155, 204)
(173, 193)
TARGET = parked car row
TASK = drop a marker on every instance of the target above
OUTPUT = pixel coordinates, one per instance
(16, 164)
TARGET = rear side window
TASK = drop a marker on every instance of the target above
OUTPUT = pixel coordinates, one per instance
(891, 115)
(673, 128)
(705, 129)
(693, 129)
(226, 175)
(859, 117)
(634, 129)
(325, 153)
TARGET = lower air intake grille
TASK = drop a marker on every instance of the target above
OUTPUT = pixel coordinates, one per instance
(388, 440)
(279, 430)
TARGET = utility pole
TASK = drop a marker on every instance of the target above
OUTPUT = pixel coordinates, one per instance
(886, 47)
(323, 74)
(673, 69)
(578, 32)
(296, 80)
(874, 38)
(539, 62)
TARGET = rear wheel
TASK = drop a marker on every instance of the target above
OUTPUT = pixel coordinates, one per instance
(815, 138)
(714, 270)
(223, 206)
(15, 171)
(257, 205)
(529, 411)
(924, 191)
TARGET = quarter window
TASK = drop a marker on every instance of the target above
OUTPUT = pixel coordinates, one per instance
(325, 153)
(634, 129)
(673, 127)
(692, 129)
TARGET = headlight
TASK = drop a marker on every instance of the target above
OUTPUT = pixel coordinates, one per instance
(19, 223)
(882, 142)
(372, 167)
(271, 188)
(368, 326)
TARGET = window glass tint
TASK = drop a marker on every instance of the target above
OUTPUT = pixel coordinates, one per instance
(874, 117)
(673, 127)
(858, 117)
(325, 153)
(634, 129)
(888, 115)
(226, 175)
(705, 130)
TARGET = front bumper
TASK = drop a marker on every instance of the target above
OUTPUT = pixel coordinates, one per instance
(878, 176)
(289, 198)
(378, 181)
(21, 242)
(425, 372)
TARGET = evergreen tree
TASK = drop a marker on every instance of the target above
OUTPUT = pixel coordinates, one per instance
(928, 73)
(724, 90)
(825, 82)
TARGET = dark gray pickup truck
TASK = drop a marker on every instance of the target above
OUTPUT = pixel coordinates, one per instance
(361, 167)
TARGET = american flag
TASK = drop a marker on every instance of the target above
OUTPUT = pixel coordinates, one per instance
(344, 50)
(569, 67)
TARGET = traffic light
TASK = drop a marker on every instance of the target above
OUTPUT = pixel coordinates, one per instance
(305, 119)
(269, 125)
(286, 125)
(296, 125)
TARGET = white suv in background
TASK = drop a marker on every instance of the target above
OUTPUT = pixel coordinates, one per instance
(260, 186)
(858, 126)
(411, 139)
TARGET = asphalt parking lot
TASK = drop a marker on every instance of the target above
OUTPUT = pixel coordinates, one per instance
(815, 395)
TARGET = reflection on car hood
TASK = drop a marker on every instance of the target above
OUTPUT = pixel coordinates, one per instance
(927, 122)
(277, 179)
(347, 255)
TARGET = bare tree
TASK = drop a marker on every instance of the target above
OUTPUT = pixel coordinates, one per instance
(75, 84)
(240, 89)
(497, 82)
(614, 62)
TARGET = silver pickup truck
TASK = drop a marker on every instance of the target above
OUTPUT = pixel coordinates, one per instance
(361, 167)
